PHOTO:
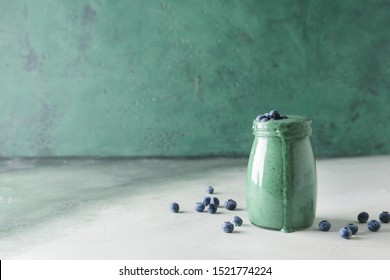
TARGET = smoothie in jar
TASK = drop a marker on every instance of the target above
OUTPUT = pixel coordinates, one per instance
(281, 186)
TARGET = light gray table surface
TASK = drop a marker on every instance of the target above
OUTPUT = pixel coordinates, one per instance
(119, 209)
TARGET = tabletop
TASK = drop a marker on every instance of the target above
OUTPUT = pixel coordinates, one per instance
(115, 208)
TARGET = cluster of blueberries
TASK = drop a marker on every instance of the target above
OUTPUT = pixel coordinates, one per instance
(212, 203)
(351, 229)
(272, 115)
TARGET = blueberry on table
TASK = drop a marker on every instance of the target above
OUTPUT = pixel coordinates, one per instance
(354, 228)
(212, 209)
(237, 221)
(324, 225)
(384, 217)
(214, 201)
(373, 225)
(210, 189)
(363, 217)
(345, 233)
(230, 204)
(227, 227)
(174, 207)
(199, 207)
(206, 200)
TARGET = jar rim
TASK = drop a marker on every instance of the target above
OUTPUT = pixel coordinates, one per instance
(293, 127)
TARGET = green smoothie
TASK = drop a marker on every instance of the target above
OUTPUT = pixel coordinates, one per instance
(281, 175)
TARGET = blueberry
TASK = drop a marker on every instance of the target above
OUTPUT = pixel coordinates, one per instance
(264, 117)
(324, 225)
(228, 227)
(210, 189)
(237, 221)
(274, 115)
(363, 217)
(199, 207)
(174, 207)
(230, 204)
(214, 201)
(345, 232)
(263, 120)
(384, 217)
(212, 209)
(258, 117)
(206, 200)
(354, 228)
(373, 225)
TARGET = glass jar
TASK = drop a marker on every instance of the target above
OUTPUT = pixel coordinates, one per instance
(281, 184)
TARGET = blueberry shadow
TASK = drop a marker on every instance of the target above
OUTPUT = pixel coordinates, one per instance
(356, 237)
(233, 232)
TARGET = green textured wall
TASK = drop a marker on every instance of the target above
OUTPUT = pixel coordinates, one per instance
(162, 78)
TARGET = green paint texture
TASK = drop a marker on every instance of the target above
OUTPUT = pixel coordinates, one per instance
(187, 78)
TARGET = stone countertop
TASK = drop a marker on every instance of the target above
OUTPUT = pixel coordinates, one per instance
(119, 209)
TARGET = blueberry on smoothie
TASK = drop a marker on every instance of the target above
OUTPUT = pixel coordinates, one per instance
(271, 116)
(274, 114)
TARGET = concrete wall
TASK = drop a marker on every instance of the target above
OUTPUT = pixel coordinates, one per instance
(174, 78)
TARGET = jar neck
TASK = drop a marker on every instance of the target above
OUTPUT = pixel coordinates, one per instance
(294, 127)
